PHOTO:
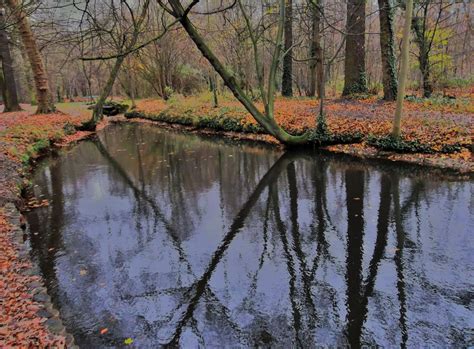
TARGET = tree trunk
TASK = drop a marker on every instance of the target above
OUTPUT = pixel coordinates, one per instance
(387, 48)
(43, 96)
(424, 55)
(396, 132)
(316, 52)
(355, 79)
(9, 91)
(287, 78)
(266, 120)
(97, 114)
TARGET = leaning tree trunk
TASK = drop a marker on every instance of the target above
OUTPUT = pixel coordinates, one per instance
(387, 48)
(355, 79)
(43, 96)
(9, 91)
(287, 78)
(266, 120)
(98, 112)
(316, 52)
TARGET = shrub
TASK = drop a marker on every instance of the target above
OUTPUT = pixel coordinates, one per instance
(398, 145)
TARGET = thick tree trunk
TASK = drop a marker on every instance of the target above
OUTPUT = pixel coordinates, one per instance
(9, 91)
(287, 78)
(387, 48)
(316, 52)
(43, 96)
(355, 80)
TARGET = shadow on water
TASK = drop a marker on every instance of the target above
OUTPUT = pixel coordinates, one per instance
(179, 241)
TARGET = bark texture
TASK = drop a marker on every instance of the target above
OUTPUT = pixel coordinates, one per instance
(287, 78)
(387, 48)
(7, 75)
(397, 122)
(316, 52)
(43, 95)
(355, 80)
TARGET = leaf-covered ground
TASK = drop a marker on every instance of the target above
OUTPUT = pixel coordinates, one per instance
(436, 124)
(20, 325)
(22, 138)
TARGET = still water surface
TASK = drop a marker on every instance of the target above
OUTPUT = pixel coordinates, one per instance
(182, 241)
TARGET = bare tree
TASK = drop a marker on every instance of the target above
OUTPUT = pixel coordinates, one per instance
(7, 74)
(266, 119)
(387, 50)
(120, 27)
(43, 95)
(316, 52)
(396, 132)
(355, 79)
(287, 77)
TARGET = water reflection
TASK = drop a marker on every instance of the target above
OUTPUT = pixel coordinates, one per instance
(179, 241)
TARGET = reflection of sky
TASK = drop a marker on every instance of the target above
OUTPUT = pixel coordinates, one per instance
(125, 267)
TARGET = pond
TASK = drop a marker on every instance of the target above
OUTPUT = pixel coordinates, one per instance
(181, 240)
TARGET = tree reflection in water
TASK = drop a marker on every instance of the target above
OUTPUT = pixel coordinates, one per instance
(194, 242)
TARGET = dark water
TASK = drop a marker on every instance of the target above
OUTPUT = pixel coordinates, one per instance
(173, 239)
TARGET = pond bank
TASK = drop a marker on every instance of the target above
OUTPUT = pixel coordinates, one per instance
(146, 238)
(461, 163)
(27, 316)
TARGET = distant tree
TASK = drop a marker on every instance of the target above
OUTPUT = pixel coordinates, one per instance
(425, 14)
(118, 27)
(355, 79)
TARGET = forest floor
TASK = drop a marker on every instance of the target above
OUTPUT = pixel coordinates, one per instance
(25, 137)
(436, 132)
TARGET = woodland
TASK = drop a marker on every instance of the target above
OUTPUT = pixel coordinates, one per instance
(391, 79)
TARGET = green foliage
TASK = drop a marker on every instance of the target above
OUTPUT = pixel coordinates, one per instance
(440, 60)
(223, 121)
(34, 150)
(456, 82)
(451, 148)
(358, 90)
(398, 145)
(322, 136)
(168, 92)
